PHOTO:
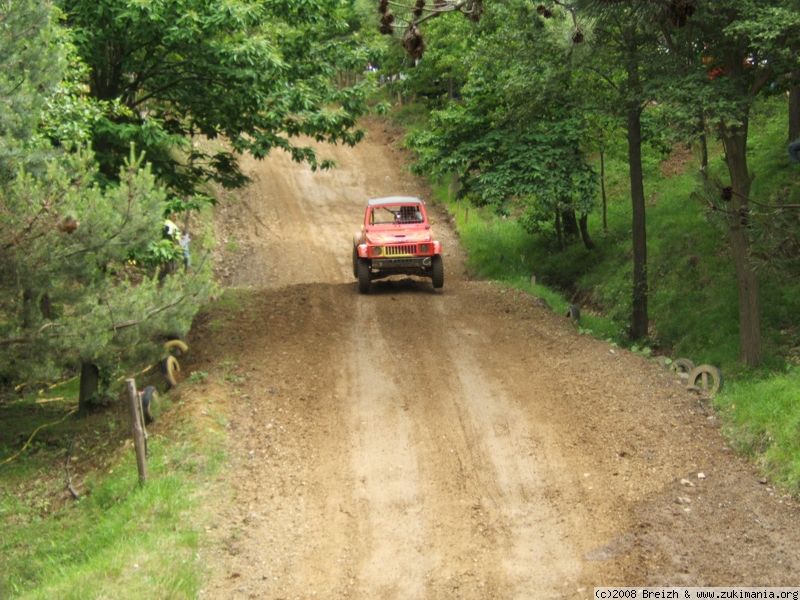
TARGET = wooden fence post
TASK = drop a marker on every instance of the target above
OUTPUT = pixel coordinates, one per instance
(138, 431)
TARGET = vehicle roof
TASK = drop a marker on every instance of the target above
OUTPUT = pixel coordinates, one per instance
(394, 200)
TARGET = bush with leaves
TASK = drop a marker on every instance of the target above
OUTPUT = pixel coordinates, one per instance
(70, 293)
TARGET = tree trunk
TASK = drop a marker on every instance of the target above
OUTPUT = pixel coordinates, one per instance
(559, 230)
(89, 385)
(704, 155)
(603, 187)
(639, 318)
(734, 141)
(583, 223)
(570, 224)
(794, 113)
(29, 308)
(701, 130)
(46, 306)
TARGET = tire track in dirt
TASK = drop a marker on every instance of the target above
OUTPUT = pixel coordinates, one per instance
(385, 466)
(540, 560)
(493, 531)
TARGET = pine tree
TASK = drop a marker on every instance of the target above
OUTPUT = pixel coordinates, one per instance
(72, 297)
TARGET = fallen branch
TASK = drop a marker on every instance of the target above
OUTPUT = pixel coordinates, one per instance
(35, 431)
(47, 400)
(27, 338)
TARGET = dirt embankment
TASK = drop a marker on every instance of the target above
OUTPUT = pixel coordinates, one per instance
(459, 444)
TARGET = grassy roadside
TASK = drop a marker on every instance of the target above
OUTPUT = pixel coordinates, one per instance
(762, 418)
(693, 299)
(119, 540)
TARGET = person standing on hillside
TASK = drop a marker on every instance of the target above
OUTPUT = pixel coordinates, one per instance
(794, 151)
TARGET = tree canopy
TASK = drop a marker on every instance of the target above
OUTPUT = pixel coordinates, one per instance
(258, 74)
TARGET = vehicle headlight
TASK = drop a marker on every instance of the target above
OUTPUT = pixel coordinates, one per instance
(377, 250)
(424, 248)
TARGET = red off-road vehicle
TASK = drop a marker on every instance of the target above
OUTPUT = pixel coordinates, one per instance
(396, 239)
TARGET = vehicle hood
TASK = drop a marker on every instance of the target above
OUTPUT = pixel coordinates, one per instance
(399, 236)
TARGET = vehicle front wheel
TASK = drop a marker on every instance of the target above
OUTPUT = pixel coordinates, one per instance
(437, 272)
(364, 279)
(355, 262)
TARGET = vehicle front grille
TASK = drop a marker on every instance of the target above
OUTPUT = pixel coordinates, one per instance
(404, 250)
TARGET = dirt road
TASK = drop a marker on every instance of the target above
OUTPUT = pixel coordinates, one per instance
(460, 444)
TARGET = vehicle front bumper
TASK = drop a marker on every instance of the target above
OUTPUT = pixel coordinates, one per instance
(410, 265)
(400, 263)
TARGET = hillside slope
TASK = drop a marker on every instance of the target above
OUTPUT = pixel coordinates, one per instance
(460, 444)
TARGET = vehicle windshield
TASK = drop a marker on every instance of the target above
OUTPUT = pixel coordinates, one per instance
(387, 214)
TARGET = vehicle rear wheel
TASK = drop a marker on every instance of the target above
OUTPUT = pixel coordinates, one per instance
(437, 272)
(355, 262)
(364, 279)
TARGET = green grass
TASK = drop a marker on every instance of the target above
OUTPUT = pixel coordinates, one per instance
(692, 300)
(233, 246)
(120, 540)
(763, 419)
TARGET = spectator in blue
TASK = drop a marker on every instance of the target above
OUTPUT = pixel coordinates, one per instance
(794, 151)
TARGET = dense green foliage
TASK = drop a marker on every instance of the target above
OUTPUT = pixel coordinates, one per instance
(681, 103)
(255, 73)
(70, 292)
(73, 296)
(523, 152)
(28, 43)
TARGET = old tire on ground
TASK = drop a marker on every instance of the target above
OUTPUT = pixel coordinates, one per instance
(437, 272)
(682, 366)
(170, 368)
(149, 396)
(364, 279)
(574, 313)
(179, 346)
(705, 378)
